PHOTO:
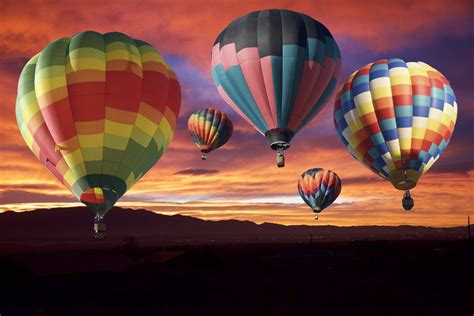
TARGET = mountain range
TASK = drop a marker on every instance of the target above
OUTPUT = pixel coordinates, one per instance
(76, 223)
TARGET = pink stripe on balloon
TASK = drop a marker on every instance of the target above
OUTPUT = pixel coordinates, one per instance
(228, 56)
(248, 53)
(231, 103)
(326, 72)
(302, 105)
(250, 65)
(267, 71)
(215, 58)
(45, 142)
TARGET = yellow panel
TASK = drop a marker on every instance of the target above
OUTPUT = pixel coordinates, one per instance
(52, 96)
(88, 141)
(26, 135)
(355, 125)
(119, 45)
(141, 137)
(87, 52)
(405, 143)
(427, 67)
(118, 129)
(115, 142)
(49, 72)
(381, 92)
(93, 154)
(446, 119)
(418, 133)
(69, 177)
(401, 79)
(145, 125)
(152, 56)
(73, 158)
(354, 142)
(122, 55)
(365, 108)
(433, 125)
(29, 105)
(85, 64)
(45, 85)
(166, 129)
(417, 72)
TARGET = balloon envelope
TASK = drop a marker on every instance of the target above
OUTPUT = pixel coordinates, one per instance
(396, 118)
(319, 188)
(98, 110)
(277, 69)
(209, 129)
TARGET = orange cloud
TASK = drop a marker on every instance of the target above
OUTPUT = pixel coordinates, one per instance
(189, 28)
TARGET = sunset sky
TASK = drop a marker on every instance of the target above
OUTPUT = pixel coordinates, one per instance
(240, 180)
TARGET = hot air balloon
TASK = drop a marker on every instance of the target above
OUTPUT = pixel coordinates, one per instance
(396, 118)
(276, 69)
(209, 129)
(98, 110)
(319, 188)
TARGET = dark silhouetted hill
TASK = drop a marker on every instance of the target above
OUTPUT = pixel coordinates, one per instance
(76, 223)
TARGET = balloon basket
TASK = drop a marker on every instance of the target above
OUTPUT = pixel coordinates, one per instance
(100, 228)
(407, 201)
(203, 157)
(280, 159)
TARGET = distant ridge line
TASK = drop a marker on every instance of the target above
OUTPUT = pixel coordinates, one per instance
(76, 223)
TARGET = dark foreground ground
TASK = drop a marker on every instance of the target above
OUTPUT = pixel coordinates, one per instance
(332, 278)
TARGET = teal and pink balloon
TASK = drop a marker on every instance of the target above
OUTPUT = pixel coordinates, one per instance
(277, 69)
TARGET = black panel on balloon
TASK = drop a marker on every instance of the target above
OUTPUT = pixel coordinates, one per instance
(294, 29)
(247, 32)
(269, 33)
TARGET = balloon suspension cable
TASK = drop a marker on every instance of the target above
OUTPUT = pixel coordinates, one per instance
(407, 200)
(99, 226)
(203, 156)
(98, 218)
(280, 158)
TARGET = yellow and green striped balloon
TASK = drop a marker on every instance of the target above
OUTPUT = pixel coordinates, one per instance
(98, 110)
